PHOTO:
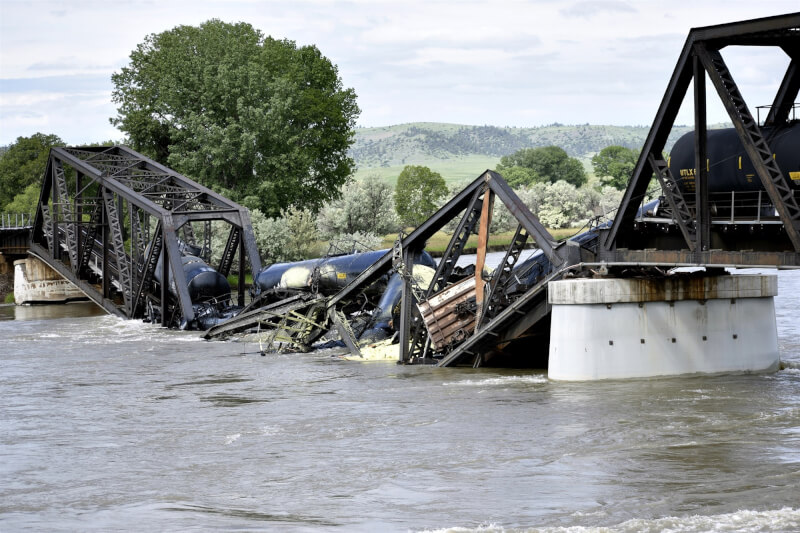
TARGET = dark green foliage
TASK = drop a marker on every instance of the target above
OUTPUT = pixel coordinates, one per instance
(545, 164)
(23, 165)
(614, 165)
(417, 194)
(25, 202)
(260, 120)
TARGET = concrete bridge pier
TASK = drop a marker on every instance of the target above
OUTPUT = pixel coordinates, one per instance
(35, 282)
(638, 328)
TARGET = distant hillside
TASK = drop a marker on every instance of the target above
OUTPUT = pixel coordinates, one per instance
(461, 152)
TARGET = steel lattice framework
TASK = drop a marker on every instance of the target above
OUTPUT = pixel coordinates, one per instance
(699, 58)
(108, 217)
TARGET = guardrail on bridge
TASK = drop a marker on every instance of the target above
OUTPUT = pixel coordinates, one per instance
(15, 220)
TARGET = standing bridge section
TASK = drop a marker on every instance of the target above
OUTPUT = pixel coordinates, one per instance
(687, 226)
(757, 226)
(115, 224)
(15, 237)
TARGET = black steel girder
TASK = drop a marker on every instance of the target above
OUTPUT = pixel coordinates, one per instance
(700, 56)
(103, 224)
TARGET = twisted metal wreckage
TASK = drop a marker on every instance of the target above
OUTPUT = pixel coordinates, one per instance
(440, 316)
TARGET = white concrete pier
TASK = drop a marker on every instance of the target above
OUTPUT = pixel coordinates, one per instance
(634, 328)
(35, 282)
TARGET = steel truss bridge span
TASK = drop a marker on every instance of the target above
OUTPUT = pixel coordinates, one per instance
(115, 224)
(690, 213)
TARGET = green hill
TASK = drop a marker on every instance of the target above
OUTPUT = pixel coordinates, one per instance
(460, 153)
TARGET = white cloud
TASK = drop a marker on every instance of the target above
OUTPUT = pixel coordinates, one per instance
(592, 8)
(506, 62)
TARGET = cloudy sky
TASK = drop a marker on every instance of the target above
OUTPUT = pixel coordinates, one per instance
(503, 62)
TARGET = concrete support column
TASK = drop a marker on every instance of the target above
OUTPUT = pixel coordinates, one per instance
(35, 282)
(633, 328)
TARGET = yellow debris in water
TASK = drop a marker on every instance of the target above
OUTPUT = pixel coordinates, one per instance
(379, 351)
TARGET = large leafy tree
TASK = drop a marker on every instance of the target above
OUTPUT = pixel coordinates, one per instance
(544, 164)
(417, 194)
(22, 167)
(614, 165)
(260, 120)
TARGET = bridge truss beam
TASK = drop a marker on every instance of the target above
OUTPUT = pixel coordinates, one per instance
(108, 217)
(699, 58)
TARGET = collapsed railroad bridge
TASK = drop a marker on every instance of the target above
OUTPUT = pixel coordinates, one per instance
(609, 302)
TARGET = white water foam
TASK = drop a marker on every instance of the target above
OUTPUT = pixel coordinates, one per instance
(111, 329)
(778, 520)
(502, 381)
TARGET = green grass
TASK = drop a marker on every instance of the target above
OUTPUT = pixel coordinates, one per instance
(455, 171)
(233, 280)
(9, 298)
(386, 150)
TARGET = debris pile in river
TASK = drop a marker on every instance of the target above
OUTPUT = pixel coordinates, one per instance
(423, 311)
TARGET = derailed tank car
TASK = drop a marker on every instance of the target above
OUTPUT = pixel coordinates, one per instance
(209, 290)
(376, 306)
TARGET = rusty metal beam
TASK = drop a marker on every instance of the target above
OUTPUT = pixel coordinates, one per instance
(483, 245)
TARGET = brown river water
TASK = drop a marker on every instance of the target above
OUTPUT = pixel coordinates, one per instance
(109, 425)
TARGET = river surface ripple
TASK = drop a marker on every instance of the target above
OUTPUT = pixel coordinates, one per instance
(114, 425)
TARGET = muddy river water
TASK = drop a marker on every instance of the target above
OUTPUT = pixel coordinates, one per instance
(114, 425)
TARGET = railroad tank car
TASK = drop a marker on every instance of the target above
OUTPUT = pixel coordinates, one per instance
(209, 291)
(729, 166)
(329, 274)
(203, 282)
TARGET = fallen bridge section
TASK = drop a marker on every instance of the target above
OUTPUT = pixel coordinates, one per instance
(135, 236)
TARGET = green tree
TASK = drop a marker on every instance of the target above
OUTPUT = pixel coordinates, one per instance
(23, 164)
(563, 206)
(364, 206)
(25, 202)
(614, 165)
(543, 164)
(417, 194)
(260, 120)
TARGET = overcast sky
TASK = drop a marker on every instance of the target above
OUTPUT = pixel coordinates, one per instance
(503, 63)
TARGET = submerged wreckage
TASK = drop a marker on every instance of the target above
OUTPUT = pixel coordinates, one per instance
(431, 313)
